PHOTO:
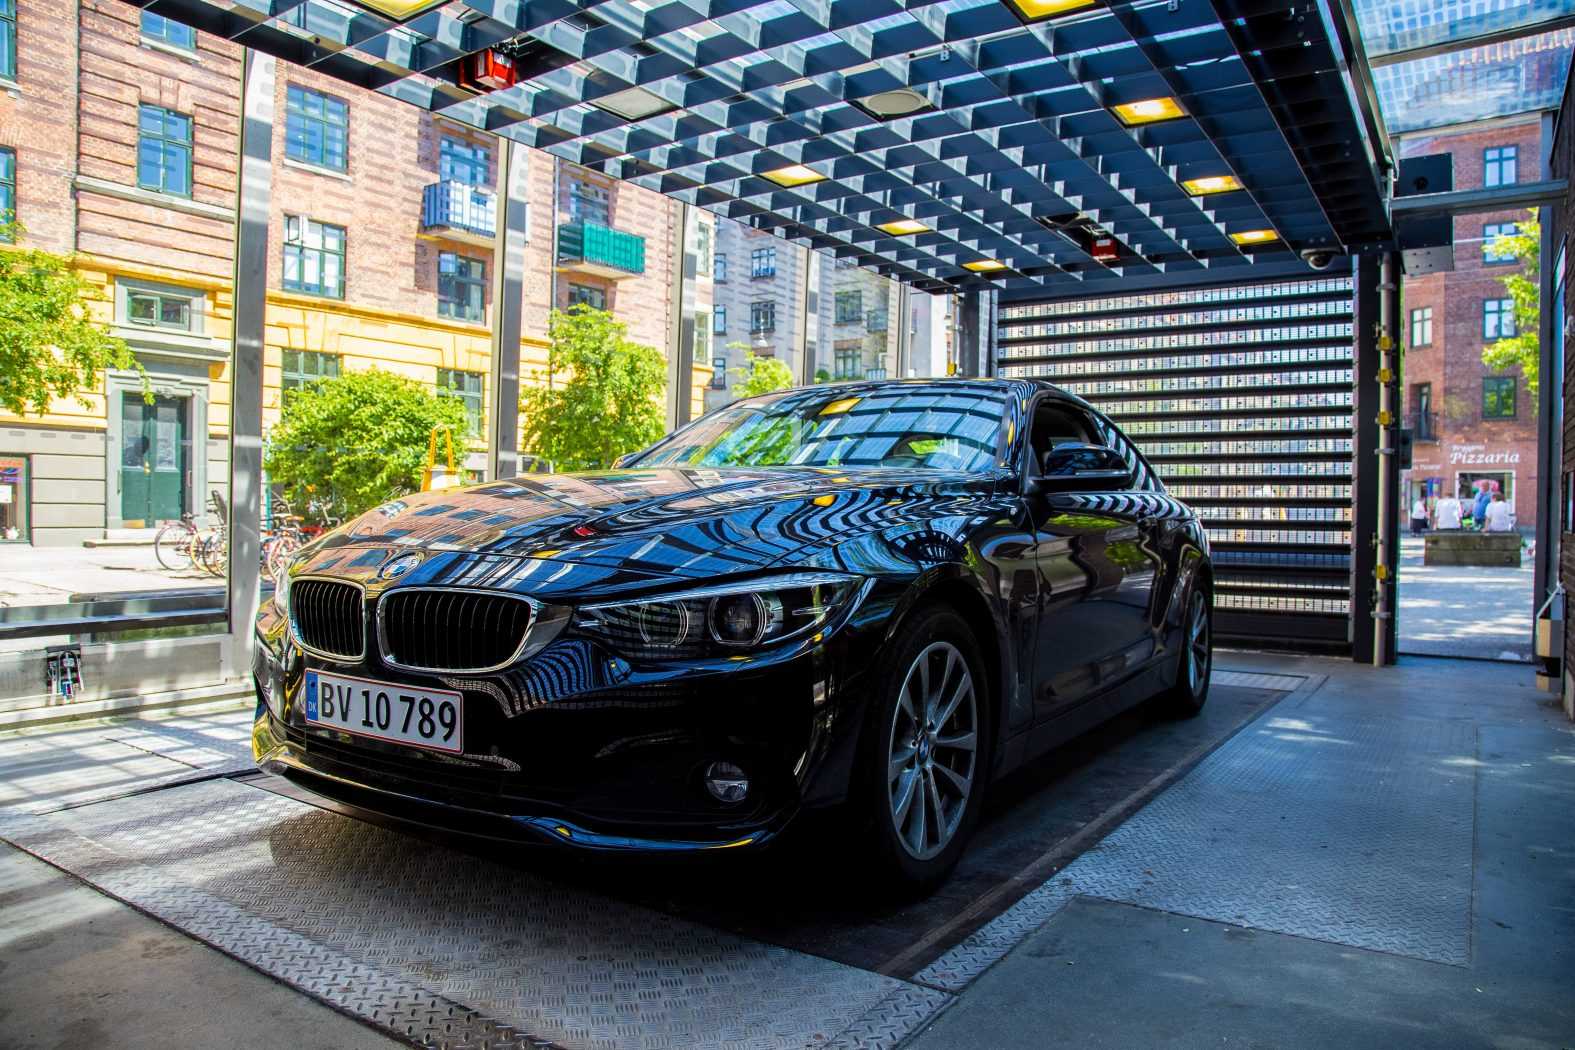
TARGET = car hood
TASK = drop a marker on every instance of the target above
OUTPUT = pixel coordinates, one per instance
(658, 523)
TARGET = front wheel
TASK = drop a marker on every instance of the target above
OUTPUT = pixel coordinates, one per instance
(172, 547)
(1195, 663)
(927, 751)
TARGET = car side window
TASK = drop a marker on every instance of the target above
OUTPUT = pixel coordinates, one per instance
(1054, 424)
(1142, 477)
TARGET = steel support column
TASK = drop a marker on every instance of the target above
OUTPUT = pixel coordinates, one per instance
(808, 304)
(1550, 427)
(253, 195)
(508, 294)
(971, 348)
(1386, 636)
(1366, 463)
(681, 328)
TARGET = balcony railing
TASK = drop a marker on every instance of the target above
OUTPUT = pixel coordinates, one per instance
(460, 210)
(591, 248)
(1423, 426)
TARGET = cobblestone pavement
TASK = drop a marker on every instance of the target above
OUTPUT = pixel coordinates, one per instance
(1464, 610)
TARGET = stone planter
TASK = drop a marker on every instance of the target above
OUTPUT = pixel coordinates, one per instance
(1459, 547)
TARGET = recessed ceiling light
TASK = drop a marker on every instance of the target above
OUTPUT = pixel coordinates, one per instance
(899, 102)
(793, 175)
(634, 103)
(985, 266)
(1254, 236)
(1039, 10)
(903, 227)
(399, 10)
(1211, 184)
(1148, 111)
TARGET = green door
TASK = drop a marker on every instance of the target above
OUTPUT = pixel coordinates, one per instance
(154, 456)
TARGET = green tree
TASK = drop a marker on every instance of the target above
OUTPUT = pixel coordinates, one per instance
(360, 436)
(822, 376)
(600, 397)
(760, 375)
(49, 347)
(1524, 348)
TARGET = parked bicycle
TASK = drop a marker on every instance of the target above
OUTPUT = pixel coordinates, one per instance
(182, 546)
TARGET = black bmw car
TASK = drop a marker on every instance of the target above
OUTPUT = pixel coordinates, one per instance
(881, 596)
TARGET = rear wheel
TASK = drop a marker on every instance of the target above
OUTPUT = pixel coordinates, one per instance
(927, 752)
(1196, 660)
(172, 547)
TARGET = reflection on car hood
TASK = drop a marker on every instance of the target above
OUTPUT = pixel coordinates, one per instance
(687, 522)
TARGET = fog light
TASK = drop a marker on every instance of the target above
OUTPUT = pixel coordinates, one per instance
(726, 782)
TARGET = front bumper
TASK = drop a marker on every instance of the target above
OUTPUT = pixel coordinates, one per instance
(614, 767)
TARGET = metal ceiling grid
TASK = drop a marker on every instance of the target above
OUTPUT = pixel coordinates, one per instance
(1016, 140)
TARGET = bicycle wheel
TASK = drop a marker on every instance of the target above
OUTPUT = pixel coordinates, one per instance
(213, 553)
(280, 553)
(172, 547)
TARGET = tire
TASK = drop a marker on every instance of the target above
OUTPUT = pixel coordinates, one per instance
(172, 547)
(1195, 662)
(908, 762)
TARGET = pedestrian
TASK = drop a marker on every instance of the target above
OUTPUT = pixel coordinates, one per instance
(1446, 513)
(1479, 508)
(1498, 517)
(1418, 516)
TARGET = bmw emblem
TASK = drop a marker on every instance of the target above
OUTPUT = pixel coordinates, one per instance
(396, 568)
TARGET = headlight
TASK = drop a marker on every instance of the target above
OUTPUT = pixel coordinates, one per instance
(722, 620)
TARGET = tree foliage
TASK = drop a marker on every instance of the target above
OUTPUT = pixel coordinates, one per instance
(761, 375)
(600, 397)
(49, 347)
(360, 436)
(1524, 348)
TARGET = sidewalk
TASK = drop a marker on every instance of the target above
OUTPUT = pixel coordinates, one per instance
(54, 575)
(1464, 610)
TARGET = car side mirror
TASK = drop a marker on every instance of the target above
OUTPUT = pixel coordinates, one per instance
(1075, 467)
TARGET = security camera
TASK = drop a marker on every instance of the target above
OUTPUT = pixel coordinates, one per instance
(1318, 258)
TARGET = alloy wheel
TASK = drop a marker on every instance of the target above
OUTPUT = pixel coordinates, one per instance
(1199, 651)
(933, 753)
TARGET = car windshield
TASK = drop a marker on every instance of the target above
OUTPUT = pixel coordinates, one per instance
(907, 425)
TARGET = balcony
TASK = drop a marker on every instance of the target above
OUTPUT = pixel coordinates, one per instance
(1423, 426)
(600, 251)
(459, 211)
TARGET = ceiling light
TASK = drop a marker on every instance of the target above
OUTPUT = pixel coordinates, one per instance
(1039, 10)
(399, 10)
(1254, 236)
(899, 102)
(634, 103)
(985, 266)
(1148, 111)
(903, 227)
(1211, 184)
(793, 175)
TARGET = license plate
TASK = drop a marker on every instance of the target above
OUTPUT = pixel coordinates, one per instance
(399, 714)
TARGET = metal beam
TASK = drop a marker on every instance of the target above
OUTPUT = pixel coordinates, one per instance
(253, 197)
(1466, 43)
(1365, 461)
(1473, 202)
(681, 325)
(508, 293)
(1550, 425)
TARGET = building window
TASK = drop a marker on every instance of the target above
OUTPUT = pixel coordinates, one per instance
(850, 307)
(314, 257)
(464, 162)
(702, 247)
(301, 368)
(1498, 397)
(1422, 326)
(462, 283)
(719, 320)
(164, 151)
(763, 262)
(1499, 165)
(719, 266)
(164, 30)
(7, 194)
(1498, 318)
(467, 387)
(8, 39)
(702, 349)
(589, 295)
(718, 373)
(877, 321)
(589, 203)
(316, 129)
(1491, 232)
(763, 316)
(159, 310)
(14, 498)
(849, 364)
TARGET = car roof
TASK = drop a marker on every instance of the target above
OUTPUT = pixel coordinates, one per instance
(1023, 388)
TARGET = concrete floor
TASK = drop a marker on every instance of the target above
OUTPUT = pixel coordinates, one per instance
(1098, 972)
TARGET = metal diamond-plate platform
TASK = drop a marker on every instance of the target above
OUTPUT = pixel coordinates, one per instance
(394, 929)
(1257, 680)
(1352, 829)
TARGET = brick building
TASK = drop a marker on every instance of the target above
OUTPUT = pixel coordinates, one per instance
(118, 136)
(1468, 422)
